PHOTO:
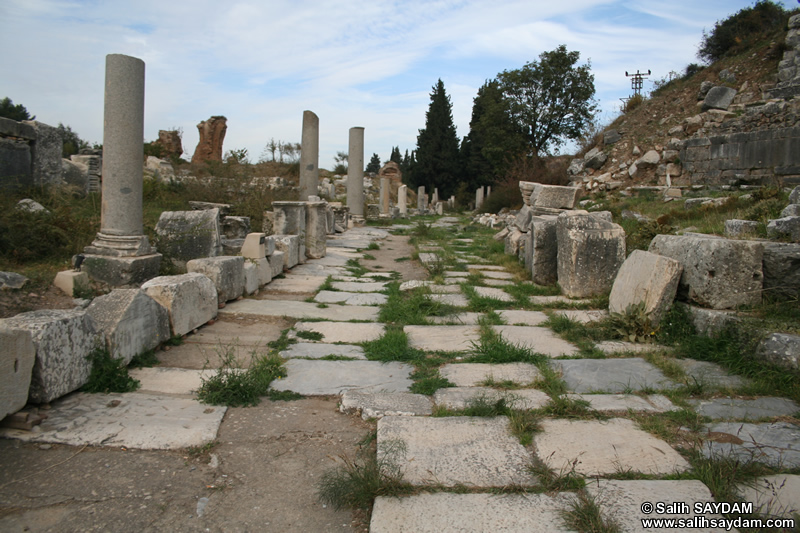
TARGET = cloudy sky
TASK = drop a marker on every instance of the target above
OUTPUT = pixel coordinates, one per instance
(369, 63)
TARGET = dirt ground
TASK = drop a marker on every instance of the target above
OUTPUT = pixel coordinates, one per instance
(392, 248)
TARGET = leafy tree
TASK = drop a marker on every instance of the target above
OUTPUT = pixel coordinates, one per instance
(73, 144)
(374, 164)
(14, 112)
(438, 162)
(270, 148)
(739, 31)
(396, 157)
(341, 163)
(551, 100)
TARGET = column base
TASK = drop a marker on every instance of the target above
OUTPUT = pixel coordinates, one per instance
(121, 271)
(120, 245)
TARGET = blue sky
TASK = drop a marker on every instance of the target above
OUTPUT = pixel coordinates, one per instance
(369, 63)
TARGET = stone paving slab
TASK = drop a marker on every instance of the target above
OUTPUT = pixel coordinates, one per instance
(229, 332)
(617, 347)
(296, 284)
(294, 309)
(322, 378)
(163, 380)
(380, 404)
(472, 451)
(442, 338)
(428, 258)
(548, 300)
(444, 512)
(604, 447)
(776, 444)
(537, 339)
(493, 292)
(777, 495)
(347, 332)
(523, 318)
(498, 282)
(457, 398)
(435, 288)
(322, 271)
(351, 298)
(584, 317)
(738, 409)
(493, 274)
(710, 374)
(456, 300)
(653, 403)
(474, 374)
(370, 286)
(318, 350)
(485, 267)
(468, 318)
(622, 500)
(611, 375)
(132, 420)
(445, 289)
(455, 274)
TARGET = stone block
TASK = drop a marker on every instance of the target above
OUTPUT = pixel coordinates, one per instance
(611, 137)
(781, 349)
(739, 228)
(276, 263)
(648, 279)
(291, 246)
(794, 196)
(590, 253)
(226, 272)
(121, 271)
(708, 322)
(190, 299)
(186, 235)
(263, 268)
(594, 159)
(717, 273)
(782, 270)
(251, 281)
(317, 229)
(235, 227)
(791, 210)
(289, 218)
(130, 321)
(544, 249)
(46, 153)
(784, 227)
(512, 241)
(553, 197)
(255, 246)
(232, 246)
(17, 355)
(523, 218)
(63, 340)
(718, 97)
(69, 280)
(650, 159)
(269, 245)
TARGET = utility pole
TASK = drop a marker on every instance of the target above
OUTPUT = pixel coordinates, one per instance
(637, 80)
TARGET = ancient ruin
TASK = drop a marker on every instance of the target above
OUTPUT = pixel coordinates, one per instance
(212, 134)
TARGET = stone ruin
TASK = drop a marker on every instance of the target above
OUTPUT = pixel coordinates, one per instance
(212, 134)
(170, 142)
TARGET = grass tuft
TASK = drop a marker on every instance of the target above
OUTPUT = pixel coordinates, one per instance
(234, 386)
(108, 374)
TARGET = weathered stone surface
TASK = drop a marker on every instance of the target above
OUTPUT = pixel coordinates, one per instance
(290, 245)
(170, 141)
(523, 219)
(607, 447)
(226, 272)
(130, 321)
(122, 271)
(594, 159)
(186, 235)
(315, 378)
(653, 403)
(455, 450)
(552, 197)
(17, 355)
(513, 240)
(738, 228)
(494, 293)
(456, 398)
(295, 309)
(782, 270)
(212, 134)
(777, 495)
(739, 409)
(522, 318)
(590, 253)
(784, 227)
(650, 159)
(544, 250)
(791, 210)
(190, 299)
(318, 350)
(718, 97)
(708, 321)
(709, 375)
(31, 206)
(611, 137)
(12, 280)
(232, 227)
(611, 375)
(781, 349)
(645, 279)
(250, 273)
(69, 280)
(46, 153)
(350, 286)
(776, 444)
(717, 273)
(63, 340)
(276, 262)
(447, 512)
(622, 500)
(131, 420)
(536, 339)
(442, 338)
(316, 229)
(474, 374)
(350, 332)
(380, 404)
(351, 298)
(584, 316)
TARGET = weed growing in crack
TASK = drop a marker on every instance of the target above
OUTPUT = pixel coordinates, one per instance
(492, 348)
(584, 515)
(108, 374)
(566, 479)
(234, 386)
(144, 359)
(309, 335)
(392, 346)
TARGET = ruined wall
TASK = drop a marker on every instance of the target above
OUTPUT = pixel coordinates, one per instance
(30, 154)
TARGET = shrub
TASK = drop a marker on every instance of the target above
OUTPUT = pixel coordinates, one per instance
(741, 30)
(108, 374)
(632, 103)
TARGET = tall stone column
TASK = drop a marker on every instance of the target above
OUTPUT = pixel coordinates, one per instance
(121, 254)
(421, 199)
(309, 156)
(402, 201)
(355, 173)
(478, 198)
(386, 189)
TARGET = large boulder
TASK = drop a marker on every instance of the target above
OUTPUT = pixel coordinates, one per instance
(523, 218)
(190, 299)
(226, 272)
(594, 159)
(648, 279)
(186, 235)
(590, 253)
(17, 355)
(781, 349)
(718, 97)
(544, 250)
(63, 340)
(130, 321)
(782, 270)
(717, 273)
(784, 227)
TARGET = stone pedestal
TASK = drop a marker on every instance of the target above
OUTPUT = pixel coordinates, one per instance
(289, 218)
(385, 194)
(402, 200)
(309, 156)
(316, 229)
(355, 173)
(121, 237)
